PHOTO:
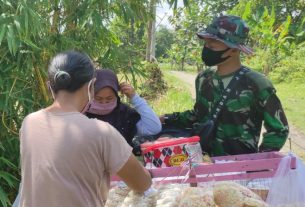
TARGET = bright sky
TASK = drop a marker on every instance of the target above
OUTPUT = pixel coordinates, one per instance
(163, 12)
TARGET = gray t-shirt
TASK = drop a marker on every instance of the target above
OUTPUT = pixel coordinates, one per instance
(67, 159)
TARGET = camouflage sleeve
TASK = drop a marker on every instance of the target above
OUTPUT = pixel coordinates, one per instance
(181, 119)
(275, 122)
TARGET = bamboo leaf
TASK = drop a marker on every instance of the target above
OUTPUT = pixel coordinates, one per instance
(7, 3)
(175, 4)
(300, 34)
(123, 10)
(9, 38)
(17, 24)
(10, 179)
(265, 13)
(7, 162)
(272, 18)
(3, 197)
(2, 32)
(26, 23)
(30, 43)
(247, 11)
(285, 27)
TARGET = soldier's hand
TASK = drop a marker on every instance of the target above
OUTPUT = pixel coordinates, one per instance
(162, 119)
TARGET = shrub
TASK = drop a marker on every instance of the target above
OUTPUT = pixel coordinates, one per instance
(290, 68)
(155, 84)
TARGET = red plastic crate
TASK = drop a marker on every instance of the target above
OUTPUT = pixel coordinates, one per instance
(168, 152)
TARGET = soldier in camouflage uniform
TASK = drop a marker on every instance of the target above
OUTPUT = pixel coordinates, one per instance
(253, 102)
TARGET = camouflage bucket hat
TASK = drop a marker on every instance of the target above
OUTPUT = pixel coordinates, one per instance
(231, 30)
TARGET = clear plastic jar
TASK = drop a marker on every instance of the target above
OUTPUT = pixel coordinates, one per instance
(194, 152)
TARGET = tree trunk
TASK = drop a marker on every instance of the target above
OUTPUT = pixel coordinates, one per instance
(182, 64)
(55, 18)
(183, 58)
(148, 46)
(150, 49)
(199, 67)
(153, 39)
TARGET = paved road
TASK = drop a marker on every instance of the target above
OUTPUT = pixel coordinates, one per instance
(297, 137)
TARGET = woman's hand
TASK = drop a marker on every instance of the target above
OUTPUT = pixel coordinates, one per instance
(127, 90)
(135, 176)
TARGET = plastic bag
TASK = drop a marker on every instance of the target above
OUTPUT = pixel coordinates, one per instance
(287, 188)
(17, 200)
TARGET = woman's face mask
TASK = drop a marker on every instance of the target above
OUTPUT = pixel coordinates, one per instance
(102, 108)
(211, 57)
(90, 95)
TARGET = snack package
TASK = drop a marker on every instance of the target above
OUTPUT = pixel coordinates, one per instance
(167, 152)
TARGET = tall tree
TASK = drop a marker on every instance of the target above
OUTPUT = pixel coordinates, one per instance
(151, 29)
(187, 22)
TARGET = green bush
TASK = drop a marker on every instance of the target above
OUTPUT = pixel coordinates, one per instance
(9, 171)
(280, 67)
(155, 84)
(290, 68)
(264, 60)
(258, 61)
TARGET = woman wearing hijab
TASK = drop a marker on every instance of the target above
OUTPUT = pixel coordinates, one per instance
(67, 158)
(139, 120)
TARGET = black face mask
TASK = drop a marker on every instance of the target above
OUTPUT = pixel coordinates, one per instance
(211, 57)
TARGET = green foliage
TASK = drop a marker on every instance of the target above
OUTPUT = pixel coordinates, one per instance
(174, 3)
(155, 84)
(264, 30)
(9, 156)
(265, 33)
(219, 6)
(290, 68)
(164, 41)
(126, 56)
(187, 22)
(276, 31)
(31, 32)
(282, 9)
(275, 37)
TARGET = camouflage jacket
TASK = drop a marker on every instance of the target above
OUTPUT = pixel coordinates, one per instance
(238, 127)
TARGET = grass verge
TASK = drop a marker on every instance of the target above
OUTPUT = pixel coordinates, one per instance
(177, 98)
(292, 96)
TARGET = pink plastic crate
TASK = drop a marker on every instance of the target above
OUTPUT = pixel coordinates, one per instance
(236, 167)
(168, 152)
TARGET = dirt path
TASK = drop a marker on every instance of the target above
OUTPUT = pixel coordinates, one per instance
(187, 78)
(297, 138)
